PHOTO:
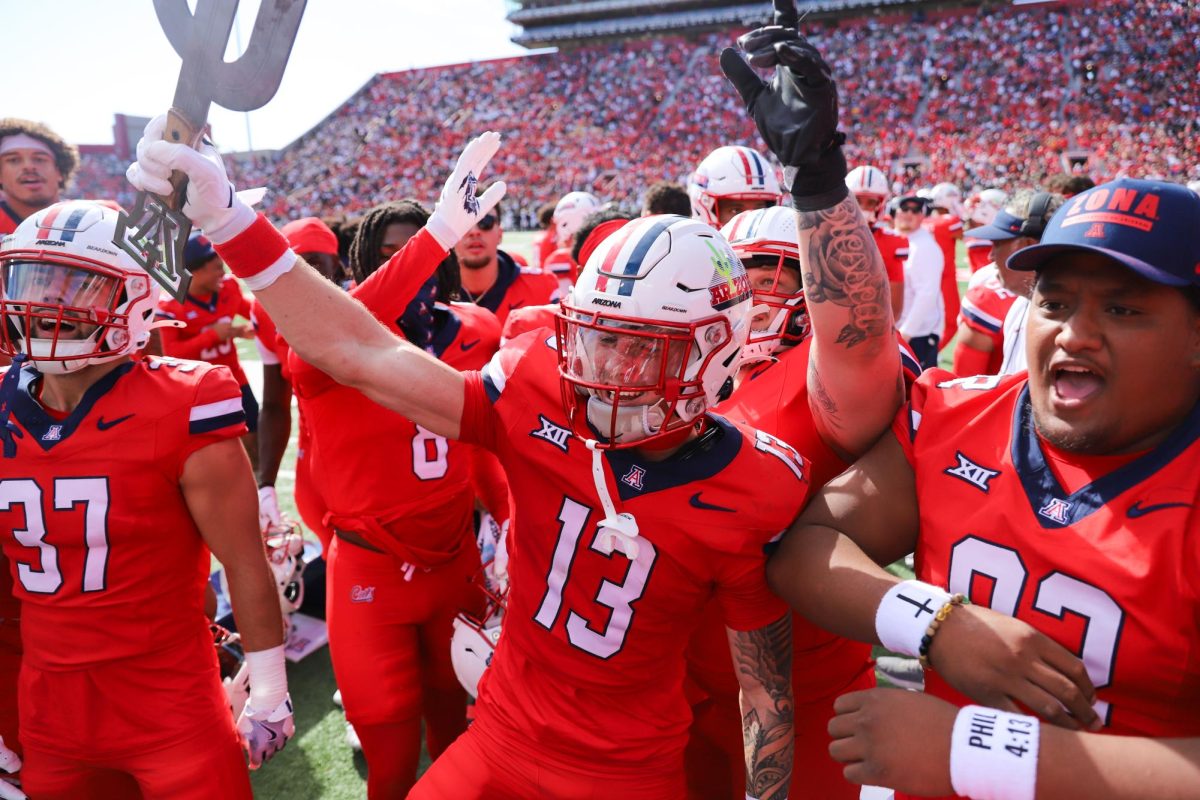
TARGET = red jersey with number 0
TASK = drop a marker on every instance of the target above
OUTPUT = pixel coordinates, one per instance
(1102, 554)
(591, 663)
(198, 341)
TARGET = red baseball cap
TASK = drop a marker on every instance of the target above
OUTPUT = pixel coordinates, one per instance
(310, 235)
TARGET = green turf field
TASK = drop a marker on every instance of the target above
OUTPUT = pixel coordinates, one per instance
(318, 764)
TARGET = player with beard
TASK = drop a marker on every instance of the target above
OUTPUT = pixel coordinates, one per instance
(1063, 499)
(490, 276)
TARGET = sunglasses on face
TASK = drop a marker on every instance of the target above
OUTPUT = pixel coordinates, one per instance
(912, 208)
(486, 222)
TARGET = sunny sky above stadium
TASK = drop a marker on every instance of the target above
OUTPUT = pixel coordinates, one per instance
(73, 64)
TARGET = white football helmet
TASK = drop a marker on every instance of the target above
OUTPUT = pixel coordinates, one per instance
(569, 214)
(285, 553)
(473, 642)
(71, 298)
(732, 172)
(767, 237)
(649, 337)
(947, 196)
(987, 205)
(868, 180)
(865, 183)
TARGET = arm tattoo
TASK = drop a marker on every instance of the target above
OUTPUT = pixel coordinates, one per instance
(763, 661)
(844, 267)
(831, 413)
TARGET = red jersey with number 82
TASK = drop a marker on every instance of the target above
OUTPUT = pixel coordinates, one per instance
(591, 663)
(1102, 554)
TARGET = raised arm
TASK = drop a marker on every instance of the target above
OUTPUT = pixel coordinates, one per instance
(325, 326)
(762, 659)
(854, 379)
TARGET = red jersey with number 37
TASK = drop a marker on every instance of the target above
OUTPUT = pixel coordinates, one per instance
(1102, 554)
(106, 559)
(590, 666)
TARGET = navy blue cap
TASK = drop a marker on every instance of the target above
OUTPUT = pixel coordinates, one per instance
(197, 252)
(1004, 226)
(1149, 226)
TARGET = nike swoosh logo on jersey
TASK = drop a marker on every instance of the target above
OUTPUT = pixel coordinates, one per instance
(696, 502)
(1138, 510)
(102, 425)
(468, 345)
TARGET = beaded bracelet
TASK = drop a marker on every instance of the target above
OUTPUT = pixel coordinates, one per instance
(938, 619)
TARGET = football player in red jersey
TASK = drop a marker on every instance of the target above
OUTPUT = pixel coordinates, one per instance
(773, 393)
(946, 225)
(870, 189)
(207, 331)
(120, 475)
(1064, 498)
(628, 494)
(400, 501)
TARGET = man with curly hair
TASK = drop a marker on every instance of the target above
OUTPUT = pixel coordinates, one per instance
(35, 165)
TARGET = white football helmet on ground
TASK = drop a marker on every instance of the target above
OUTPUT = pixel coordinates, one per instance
(732, 172)
(649, 337)
(71, 298)
(767, 238)
(474, 640)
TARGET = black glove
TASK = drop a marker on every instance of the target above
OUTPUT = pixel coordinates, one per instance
(797, 111)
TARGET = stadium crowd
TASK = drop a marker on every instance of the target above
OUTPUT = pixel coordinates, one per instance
(973, 97)
(686, 455)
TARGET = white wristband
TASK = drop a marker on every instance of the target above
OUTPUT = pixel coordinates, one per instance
(904, 615)
(993, 754)
(268, 678)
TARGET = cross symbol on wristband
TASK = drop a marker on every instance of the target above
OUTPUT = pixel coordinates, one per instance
(922, 607)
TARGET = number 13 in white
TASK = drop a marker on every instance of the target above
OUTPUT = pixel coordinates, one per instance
(620, 597)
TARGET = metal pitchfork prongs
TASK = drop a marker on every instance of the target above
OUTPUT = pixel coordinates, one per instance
(155, 230)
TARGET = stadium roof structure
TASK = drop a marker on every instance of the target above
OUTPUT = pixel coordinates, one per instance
(554, 23)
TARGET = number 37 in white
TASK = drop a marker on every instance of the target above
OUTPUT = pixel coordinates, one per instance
(92, 493)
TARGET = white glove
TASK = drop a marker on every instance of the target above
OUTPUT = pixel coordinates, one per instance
(211, 202)
(268, 510)
(265, 733)
(458, 208)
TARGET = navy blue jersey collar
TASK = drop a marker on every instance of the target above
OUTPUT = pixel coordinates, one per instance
(7, 209)
(41, 425)
(209, 305)
(446, 327)
(1052, 506)
(697, 460)
(506, 275)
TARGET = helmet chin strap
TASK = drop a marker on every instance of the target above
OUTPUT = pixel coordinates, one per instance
(615, 531)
